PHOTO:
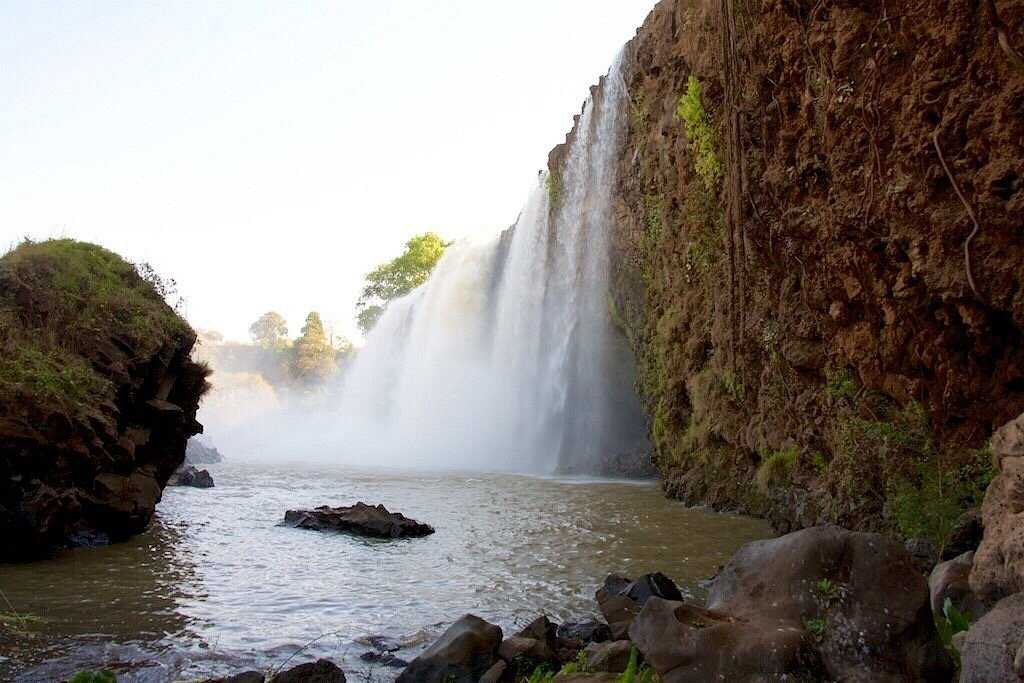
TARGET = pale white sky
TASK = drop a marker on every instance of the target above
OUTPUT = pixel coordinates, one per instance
(268, 154)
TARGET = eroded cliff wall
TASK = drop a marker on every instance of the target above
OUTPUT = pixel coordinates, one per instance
(819, 252)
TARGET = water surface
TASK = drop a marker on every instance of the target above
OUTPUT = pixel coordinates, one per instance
(217, 586)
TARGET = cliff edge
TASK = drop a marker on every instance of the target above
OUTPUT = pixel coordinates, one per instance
(98, 396)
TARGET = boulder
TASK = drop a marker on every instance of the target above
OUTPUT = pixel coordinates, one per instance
(991, 649)
(244, 677)
(818, 602)
(496, 674)
(585, 632)
(951, 580)
(923, 552)
(463, 654)
(360, 519)
(190, 476)
(384, 659)
(526, 654)
(620, 599)
(999, 561)
(320, 671)
(611, 656)
(965, 536)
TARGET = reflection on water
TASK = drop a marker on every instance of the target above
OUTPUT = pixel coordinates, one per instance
(217, 586)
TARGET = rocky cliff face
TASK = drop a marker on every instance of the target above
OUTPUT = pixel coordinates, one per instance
(98, 397)
(819, 252)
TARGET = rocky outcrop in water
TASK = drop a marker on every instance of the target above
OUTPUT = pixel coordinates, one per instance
(98, 396)
(360, 519)
(188, 475)
(198, 453)
(320, 671)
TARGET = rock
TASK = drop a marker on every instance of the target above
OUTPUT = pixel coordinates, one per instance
(360, 519)
(585, 632)
(620, 599)
(320, 671)
(924, 553)
(526, 654)
(965, 536)
(190, 476)
(999, 561)
(384, 659)
(244, 677)
(462, 654)
(198, 453)
(950, 579)
(496, 673)
(612, 656)
(822, 602)
(990, 650)
(90, 466)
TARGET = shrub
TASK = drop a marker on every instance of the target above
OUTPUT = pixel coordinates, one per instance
(777, 468)
(840, 383)
(102, 676)
(700, 134)
(553, 184)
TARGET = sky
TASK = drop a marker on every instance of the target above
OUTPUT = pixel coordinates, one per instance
(267, 155)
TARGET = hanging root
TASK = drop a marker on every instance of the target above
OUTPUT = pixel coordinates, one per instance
(970, 212)
(1004, 38)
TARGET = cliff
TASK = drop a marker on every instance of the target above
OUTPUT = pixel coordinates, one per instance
(819, 254)
(98, 396)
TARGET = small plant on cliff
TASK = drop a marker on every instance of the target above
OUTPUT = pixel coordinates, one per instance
(948, 624)
(827, 591)
(777, 468)
(553, 184)
(840, 383)
(700, 134)
(816, 627)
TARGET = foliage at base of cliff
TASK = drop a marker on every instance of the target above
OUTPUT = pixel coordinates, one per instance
(60, 302)
(818, 258)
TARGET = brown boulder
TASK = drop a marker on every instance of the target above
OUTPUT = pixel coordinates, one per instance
(951, 580)
(990, 650)
(612, 656)
(463, 654)
(620, 599)
(360, 519)
(821, 601)
(999, 562)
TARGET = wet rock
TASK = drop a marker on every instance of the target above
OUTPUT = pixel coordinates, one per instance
(990, 650)
(190, 476)
(612, 656)
(820, 602)
(360, 519)
(384, 659)
(999, 561)
(320, 671)
(951, 580)
(620, 599)
(526, 654)
(585, 632)
(462, 654)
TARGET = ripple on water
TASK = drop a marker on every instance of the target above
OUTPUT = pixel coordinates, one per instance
(216, 585)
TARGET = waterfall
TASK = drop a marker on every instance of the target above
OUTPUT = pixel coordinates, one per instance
(506, 357)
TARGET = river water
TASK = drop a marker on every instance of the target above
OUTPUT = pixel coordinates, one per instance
(217, 586)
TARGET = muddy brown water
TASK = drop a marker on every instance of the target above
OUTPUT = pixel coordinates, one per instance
(217, 586)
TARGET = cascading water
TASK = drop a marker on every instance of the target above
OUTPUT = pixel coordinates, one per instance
(505, 357)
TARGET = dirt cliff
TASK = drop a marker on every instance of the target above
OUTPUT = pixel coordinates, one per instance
(819, 252)
(98, 396)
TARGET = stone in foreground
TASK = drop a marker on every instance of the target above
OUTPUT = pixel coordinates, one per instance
(820, 604)
(990, 651)
(463, 654)
(360, 519)
(190, 476)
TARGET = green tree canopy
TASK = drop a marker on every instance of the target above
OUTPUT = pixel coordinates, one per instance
(270, 331)
(398, 277)
(314, 355)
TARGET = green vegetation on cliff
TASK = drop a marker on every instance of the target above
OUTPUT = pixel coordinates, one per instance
(58, 300)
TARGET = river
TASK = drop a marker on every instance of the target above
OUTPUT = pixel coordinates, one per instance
(216, 586)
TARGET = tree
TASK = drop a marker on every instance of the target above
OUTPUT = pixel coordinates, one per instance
(314, 355)
(398, 277)
(270, 331)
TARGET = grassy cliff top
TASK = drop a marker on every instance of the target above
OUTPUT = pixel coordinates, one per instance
(60, 299)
